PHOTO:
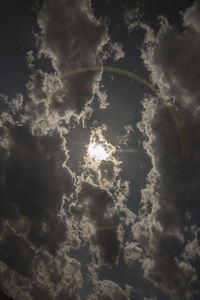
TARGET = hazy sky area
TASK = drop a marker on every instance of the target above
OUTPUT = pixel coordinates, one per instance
(99, 150)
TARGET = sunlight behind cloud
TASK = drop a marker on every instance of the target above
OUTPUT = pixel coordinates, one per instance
(97, 151)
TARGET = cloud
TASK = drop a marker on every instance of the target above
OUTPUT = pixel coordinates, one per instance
(132, 252)
(191, 250)
(34, 180)
(118, 51)
(47, 212)
(191, 17)
(99, 209)
(170, 204)
(113, 50)
(109, 290)
(123, 139)
(107, 170)
(71, 38)
(174, 69)
(132, 17)
(36, 184)
(55, 277)
(30, 59)
(101, 172)
(16, 103)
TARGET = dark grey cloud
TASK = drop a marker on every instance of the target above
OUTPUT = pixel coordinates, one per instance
(170, 201)
(70, 34)
(98, 206)
(21, 259)
(107, 170)
(34, 180)
(167, 272)
(191, 17)
(71, 38)
(4, 296)
(192, 250)
(113, 50)
(108, 290)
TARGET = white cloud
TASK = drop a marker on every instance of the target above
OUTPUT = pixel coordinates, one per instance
(30, 59)
(133, 17)
(125, 137)
(114, 50)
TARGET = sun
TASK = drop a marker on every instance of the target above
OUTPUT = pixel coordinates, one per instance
(97, 151)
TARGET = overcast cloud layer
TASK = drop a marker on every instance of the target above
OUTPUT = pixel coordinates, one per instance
(66, 229)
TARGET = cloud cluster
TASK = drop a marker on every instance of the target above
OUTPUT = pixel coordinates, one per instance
(170, 201)
(48, 212)
(35, 181)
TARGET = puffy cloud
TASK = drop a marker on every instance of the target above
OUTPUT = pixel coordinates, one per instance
(70, 34)
(3, 97)
(192, 250)
(118, 51)
(16, 103)
(113, 50)
(108, 290)
(123, 139)
(170, 204)
(107, 170)
(174, 69)
(132, 18)
(166, 271)
(132, 252)
(55, 277)
(26, 180)
(99, 208)
(72, 38)
(34, 183)
(30, 59)
(191, 17)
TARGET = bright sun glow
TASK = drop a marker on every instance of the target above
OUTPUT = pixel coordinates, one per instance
(97, 151)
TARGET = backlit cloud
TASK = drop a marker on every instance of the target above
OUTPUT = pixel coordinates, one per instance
(99, 172)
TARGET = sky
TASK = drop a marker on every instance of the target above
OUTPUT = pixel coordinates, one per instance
(99, 150)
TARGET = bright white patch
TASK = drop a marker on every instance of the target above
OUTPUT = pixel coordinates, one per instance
(97, 151)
